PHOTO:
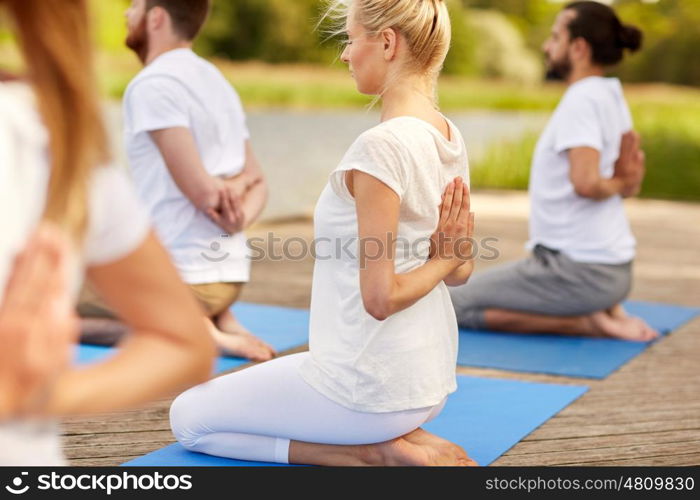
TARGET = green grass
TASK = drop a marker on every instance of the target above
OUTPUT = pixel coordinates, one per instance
(670, 138)
(506, 165)
(667, 116)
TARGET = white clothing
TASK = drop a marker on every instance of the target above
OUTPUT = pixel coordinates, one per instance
(254, 413)
(593, 113)
(408, 360)
(180, 89)
(118, 224)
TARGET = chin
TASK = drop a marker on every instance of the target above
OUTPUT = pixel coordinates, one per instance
(366, 89)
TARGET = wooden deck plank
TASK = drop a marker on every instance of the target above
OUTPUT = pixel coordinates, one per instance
(663, 461)
(619, 452)
(646, 413)
(601, 442)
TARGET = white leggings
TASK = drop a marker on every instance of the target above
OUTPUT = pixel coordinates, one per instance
(254, 413)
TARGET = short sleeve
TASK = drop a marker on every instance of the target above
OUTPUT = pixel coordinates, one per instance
(156, 103)
(118, 222)
(379, 154)
(240, 114)
(578, 125)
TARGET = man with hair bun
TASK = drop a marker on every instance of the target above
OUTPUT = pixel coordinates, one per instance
(191, 159)
(586, 161)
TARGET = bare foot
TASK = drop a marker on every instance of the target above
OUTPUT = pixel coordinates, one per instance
(616, 324)
(240, 345)
(618, 312)
(647, 331)
(418, 448)
(228, 323)
(422, 437)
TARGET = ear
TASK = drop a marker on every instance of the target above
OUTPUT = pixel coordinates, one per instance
(156, 18)
(389, 39)
(579, 49)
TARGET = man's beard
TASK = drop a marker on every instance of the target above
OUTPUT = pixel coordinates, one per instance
(558, 70)
(137, 40)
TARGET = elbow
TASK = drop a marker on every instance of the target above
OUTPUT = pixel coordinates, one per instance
(582, 189)
(457, 281)
(585, 190)
(377, 307)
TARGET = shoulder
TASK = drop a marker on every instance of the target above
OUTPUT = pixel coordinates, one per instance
(153, 83)
(377, 145)
(20, 116)
(118, 221)
(580, 94)
(109, 185)
(167, 73)
(398, 134)
(592, 93)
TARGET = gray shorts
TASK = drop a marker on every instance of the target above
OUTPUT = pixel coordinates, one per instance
(547, 282)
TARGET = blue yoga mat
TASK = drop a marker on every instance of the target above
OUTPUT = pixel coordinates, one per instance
(564, 355)
(282, 327)
(485, 416)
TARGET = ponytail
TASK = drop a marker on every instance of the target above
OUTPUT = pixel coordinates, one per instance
(630, 37)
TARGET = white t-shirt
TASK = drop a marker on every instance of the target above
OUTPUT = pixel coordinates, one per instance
(118, 224)
(593, 113)
(407, 361)
(180, 89)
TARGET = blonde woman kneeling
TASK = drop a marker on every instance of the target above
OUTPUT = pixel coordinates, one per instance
(383, 333)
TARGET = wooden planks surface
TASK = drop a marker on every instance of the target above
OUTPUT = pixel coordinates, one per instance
(647, 413)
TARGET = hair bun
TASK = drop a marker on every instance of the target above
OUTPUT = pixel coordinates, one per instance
(631, 37)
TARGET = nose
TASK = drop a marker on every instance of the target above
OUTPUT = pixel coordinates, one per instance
(545, 46)
(344, 56)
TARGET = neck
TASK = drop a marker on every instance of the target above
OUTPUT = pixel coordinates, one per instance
(408, 96)
(157, 48)
(582, 72)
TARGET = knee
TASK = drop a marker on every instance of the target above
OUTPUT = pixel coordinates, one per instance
(186, 420)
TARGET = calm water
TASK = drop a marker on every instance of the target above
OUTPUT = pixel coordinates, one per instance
(299, 149)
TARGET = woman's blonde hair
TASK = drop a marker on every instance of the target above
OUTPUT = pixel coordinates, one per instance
(425, 25)
(54, 38)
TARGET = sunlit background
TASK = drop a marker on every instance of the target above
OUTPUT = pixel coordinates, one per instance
(281, 66)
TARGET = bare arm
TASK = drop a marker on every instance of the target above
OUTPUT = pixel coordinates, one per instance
(584, 173)
(179, 151)
(169, 348)
(250, 186)
(461, 275)
(383, 291)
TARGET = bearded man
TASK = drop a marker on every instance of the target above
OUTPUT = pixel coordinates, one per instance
(586, 161)
(193, 165)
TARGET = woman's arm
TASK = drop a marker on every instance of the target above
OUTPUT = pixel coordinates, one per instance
(38, 325)
(169, 348)
(461, 275)
(383, 291)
